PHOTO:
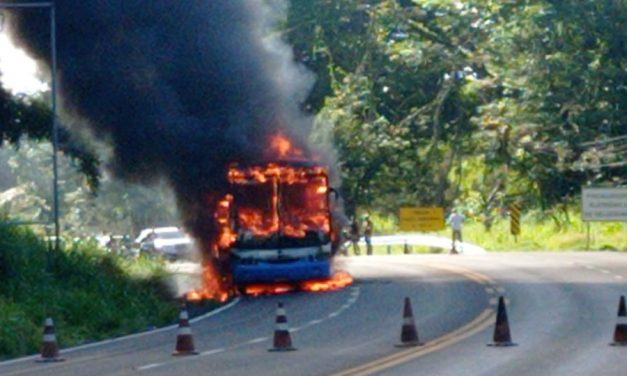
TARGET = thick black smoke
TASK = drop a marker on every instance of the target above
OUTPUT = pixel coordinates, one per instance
(178, 88)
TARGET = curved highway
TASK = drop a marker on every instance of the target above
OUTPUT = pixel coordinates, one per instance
(562, 312)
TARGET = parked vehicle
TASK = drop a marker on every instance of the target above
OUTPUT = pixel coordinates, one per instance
(169, 242)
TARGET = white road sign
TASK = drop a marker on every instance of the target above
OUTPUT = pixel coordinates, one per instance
(604, 204)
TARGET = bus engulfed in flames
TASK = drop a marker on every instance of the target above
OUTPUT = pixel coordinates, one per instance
(275, 227)
(279, 226)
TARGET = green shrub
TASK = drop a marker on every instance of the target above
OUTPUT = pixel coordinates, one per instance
(90, 295)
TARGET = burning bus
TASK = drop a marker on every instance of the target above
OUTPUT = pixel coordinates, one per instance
(276, 222)
(276, 228)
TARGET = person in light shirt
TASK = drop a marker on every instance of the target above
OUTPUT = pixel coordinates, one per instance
(455, 220)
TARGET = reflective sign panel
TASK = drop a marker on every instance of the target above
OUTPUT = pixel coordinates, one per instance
(604, 204)
(417, 218)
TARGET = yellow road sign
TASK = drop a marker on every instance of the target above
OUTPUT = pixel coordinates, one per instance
(514, 216)
(418, 218)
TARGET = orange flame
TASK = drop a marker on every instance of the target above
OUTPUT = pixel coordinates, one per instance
(283, 148)
(268, 289)
(303, 195)
(339, 280)
(212, 289)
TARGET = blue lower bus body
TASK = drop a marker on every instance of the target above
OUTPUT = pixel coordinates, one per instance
(283, 271)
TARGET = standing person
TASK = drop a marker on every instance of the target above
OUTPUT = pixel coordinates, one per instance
(455, 220)
(354, 235)
(367, 226)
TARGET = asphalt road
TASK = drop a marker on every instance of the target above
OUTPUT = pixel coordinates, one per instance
(562, 312)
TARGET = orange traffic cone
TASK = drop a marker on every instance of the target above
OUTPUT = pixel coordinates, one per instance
(502, 336)
(184, 339)
(409, 334)
(620, 333)
(49, 346)
(282, 340)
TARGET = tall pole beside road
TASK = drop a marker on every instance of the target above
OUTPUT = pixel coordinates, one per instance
(53, 89)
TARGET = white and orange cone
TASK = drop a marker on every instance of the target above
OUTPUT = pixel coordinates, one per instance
(282, 340)
(620, 332)
(409, 333)
(49, 346)
(184, 339)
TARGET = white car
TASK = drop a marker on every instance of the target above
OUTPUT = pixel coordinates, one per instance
(169, 242)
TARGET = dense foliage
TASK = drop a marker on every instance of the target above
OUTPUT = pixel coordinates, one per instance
(476, 102)
(89, 294)
(472, 103)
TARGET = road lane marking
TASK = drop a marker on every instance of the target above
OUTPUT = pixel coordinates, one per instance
(257, 340)
(479, 323)
(355, 291)
(149, 366)
(211, 352)
(127, 337)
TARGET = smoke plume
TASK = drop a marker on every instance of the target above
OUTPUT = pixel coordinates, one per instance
(178, 88)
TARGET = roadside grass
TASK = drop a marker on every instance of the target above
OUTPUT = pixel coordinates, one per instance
(537, 234)
(91, 295)
(540, 235)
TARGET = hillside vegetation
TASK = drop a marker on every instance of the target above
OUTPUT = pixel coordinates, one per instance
(90, 295)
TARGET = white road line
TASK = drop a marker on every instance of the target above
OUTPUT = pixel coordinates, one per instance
(211, 352)
(124, 338)
(618, 276)
(149, 366)
(257, 340)
(493, 301)
(314, 322)
(332, 315)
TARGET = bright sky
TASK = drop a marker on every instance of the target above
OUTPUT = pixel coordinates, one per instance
(18, 71)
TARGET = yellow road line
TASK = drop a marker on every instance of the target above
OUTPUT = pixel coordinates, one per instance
(479, 323)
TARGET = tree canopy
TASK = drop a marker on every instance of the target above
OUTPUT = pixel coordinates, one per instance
(483, 102)
(442, 102)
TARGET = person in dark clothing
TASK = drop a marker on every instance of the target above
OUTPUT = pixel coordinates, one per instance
(367, 227)
(354, 236)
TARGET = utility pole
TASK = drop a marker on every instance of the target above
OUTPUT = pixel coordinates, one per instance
(53, 89)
